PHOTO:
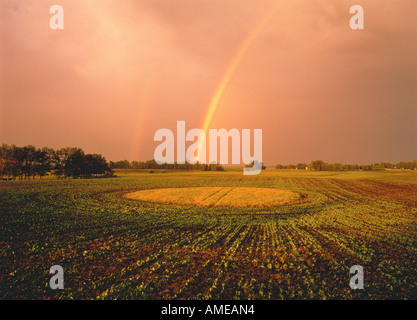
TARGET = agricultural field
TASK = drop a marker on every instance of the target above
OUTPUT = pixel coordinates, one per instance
(211, 235)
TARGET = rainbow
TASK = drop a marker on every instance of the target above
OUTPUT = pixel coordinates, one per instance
(145, 104)
(237, 57)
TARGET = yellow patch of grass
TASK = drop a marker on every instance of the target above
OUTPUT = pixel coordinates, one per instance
(217, 196)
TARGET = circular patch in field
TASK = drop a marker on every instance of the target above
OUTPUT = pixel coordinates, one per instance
(217, 196)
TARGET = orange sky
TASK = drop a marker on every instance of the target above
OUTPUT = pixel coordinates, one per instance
(120, 70)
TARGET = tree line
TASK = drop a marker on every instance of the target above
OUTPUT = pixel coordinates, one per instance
(30, 162)
(152, 164)
(319, 165)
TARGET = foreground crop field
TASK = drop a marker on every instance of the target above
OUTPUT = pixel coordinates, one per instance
(112, 247)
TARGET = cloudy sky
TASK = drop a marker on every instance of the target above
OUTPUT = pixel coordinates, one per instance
(120, 70)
